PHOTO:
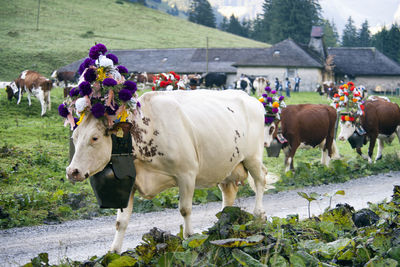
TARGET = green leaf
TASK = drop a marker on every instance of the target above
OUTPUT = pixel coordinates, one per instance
(194, 241)
(245, 259)
(188, 257)
(379, 262)
(124, 261)
(394, 253)
(278, 261)
(238, 242)
(340, 192)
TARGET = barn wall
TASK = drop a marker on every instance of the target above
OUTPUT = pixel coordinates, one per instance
(310, 77)
(379, 83)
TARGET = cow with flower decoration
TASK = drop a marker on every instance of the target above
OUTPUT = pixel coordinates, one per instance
(168, 82)
(304, 124)
(178, 139)
(376, 119)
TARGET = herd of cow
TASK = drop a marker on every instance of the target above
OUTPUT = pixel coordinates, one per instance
(207, 138)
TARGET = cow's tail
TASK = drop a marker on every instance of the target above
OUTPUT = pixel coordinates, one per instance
(269, 179)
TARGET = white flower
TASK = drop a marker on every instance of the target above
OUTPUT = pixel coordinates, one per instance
(103, 61)
(80, 105)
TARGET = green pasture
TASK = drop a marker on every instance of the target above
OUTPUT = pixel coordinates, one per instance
(34, 154)
(67, 29)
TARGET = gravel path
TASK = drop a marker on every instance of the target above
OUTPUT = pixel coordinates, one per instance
(79, 240)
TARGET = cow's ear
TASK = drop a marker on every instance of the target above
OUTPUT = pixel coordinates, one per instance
(120, 129)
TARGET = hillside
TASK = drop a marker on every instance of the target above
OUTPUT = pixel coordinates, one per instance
(67, 29)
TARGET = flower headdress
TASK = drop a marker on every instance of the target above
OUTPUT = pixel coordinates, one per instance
(273, 104)
(349, 101)
(102, 90)
(167, 82)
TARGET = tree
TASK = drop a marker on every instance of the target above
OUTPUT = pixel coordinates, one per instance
(349, 38)
(234, 26)
(331, 36)
(290, 18)
(388, 42)
(223, 26)
(364, 35)
(201, 13)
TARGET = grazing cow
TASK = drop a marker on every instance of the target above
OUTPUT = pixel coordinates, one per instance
(65, 77)
(12, 91)
(214, 78)
(309, 125)
(35, 84)
(380, 120)
(190, 140)
(330, 89)
(245, 84)
(259, 85)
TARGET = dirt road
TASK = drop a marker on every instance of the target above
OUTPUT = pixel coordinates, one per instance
(78, 240)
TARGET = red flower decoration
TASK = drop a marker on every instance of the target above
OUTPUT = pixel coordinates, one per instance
(351, 118)
(343, 118)
(153, 88)
(351, 84)
(346, 93)
(352, 88)
(336, 95)
(362, 107)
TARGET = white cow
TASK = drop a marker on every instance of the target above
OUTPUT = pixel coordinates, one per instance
(259, 85)
(188, 139)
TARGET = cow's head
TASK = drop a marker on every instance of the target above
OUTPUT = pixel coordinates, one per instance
(12, 90)
(270, 132)
(347, 129)
(93, 147)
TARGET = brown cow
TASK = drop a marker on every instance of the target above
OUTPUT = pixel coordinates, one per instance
(35, 84)
(65, 77)
(310, 125)
(380, 120)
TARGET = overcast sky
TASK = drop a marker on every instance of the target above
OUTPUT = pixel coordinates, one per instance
(377, 12)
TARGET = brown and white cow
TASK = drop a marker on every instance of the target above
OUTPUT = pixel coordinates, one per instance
(259, 85)
(186, 139)
(308, 125)
(37, 85)
(381, 119)
(65, 77)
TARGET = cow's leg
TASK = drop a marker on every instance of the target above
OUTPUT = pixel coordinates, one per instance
(47, 99)
(289, 155)
(42, 100)
(335, 151)
(19, 95)
(380, 149)
(371, 147)
(28, 95)
(229, 191)
(123, 217)
(186, 189)
(258, 173)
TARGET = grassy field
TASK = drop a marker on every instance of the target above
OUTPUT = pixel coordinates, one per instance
(67, 29)
(34, 154)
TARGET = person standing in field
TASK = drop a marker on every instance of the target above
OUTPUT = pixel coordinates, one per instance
(296, 84)
(287, 87)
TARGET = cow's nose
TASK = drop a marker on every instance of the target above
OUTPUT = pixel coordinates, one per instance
(341, 138)
(73, 174)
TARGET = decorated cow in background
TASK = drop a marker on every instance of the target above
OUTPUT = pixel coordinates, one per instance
(374, 120)
(168, 82)
(189, 140)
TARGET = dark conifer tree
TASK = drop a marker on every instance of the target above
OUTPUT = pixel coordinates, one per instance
(349, 38)
(331, 36)
(364, 35)
(201, 13)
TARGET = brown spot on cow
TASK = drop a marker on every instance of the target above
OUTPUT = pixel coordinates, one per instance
(230, 109)
(146, 121)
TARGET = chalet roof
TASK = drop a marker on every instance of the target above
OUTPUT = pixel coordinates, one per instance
(181, 60)
(286, 53)
(356, 61)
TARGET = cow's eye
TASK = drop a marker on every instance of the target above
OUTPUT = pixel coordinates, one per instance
(271, 130)
(94, 139)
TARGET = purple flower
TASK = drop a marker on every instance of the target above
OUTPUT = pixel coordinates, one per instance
(269, 99)
(122, 69)
(268, 89)
(101, 48)
(109, 82)
(85, 88)
(98, 110)
(113, 57)
(73, 92)
(131, 86)
(273, 92)
(85, 64)
(94, 52)
(111, 111)
(138, 104)
(269, 120)
(275, 110)
(125, 95)
(90, 75)
(264, 95)
(264, 104)
(63, 110)
(281, 98)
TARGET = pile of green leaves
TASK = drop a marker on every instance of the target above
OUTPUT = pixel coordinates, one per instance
(338, 237)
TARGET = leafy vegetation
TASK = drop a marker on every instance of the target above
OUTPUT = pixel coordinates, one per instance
(339, 237)
(66, 30)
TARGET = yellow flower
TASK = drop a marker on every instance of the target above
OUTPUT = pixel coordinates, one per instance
(261, 99)
(101, 74)
(123, 116)
(345, 86)
(341, 98)
(355, 100)
(81, 118)
(346, 118)
(275, 105)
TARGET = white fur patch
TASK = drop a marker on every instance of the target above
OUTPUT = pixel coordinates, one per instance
(23, 74)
